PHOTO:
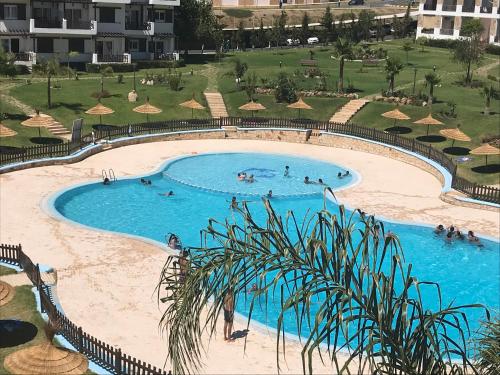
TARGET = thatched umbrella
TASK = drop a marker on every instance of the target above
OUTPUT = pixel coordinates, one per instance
(455, 134)
(192, 104)
(396, 115)
(148, 109)
(299, 104)
(99, 110)
(6, 293)
(38, 121)
(252, 106)
(485, 149)
(429, 120)
(45, 359)
(6, 132)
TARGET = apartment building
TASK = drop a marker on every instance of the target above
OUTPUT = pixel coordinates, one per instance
(442, 19)
(97, 31)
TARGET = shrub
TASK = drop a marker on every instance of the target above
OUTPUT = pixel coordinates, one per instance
(151, 64)
(118, 68)
(285, 89)
(441, 43)
(119, 78)
(312, 72)
(493, 49)
(21, 69)
(174, 81)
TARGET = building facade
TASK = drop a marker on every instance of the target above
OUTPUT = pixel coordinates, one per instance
(97, 31)
(442, 19)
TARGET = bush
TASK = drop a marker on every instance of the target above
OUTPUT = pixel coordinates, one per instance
(312, 72)
(21, 69)
(493, 49)
(119, 78)
(285, 89)
(118, 68)
(441, 43)
(174, 81)
(151, 64)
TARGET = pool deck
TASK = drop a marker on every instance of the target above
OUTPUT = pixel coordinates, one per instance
(106, 281)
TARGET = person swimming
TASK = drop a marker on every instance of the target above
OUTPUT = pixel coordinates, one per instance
(250, 179)
(346, 174)
(234, 203)
(472, 237)
(287, 171)
(439, 229)
(106, 181)
(270, 194)
(167, 194)
(306, 180)
(449, 237)
(339, 175)
(242, 176)
(320, 181)
(459, 235)
(145, 182)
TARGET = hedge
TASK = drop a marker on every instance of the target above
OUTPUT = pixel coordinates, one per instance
(117, 68)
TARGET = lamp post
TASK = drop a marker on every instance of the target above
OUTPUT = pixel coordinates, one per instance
(414, 79)
(133, 67)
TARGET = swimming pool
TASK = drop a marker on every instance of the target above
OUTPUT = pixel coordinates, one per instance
(203, 186)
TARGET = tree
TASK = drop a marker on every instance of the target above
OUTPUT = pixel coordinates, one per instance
(380, 30)
(487, 93)
(405, 23)
(285, 89)
(251, 85)
(7, 67)
(365, 22)
(343, 50)
(262, 39)
(304, 30)
(327, 24)
(342, 281)
(422, 41)
(240, 69)
(239, 37)
(469, 49)
(488, 347)
(70, 55)
(48, 69)
(398, 28)
(432, 79)
(104, 72)
(407, 47)
(393, 67)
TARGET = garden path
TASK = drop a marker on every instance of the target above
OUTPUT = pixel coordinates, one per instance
(345, 113)
(214, 98)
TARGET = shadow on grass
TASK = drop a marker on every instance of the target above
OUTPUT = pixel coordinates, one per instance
(459, 151)
(75, 107)
(487, 169)
(398, 130)
(16, 332)
(46, 141)
(16, 116)
(11, 150)
(431, 138)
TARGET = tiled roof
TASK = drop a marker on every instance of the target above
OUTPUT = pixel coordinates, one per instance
(14, 32)
(109, 34)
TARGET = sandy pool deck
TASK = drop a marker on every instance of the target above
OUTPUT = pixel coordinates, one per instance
(106, 281)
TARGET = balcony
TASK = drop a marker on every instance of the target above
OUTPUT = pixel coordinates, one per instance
(23, 56)
(446, 31)
(124, 58)
(468, 6)
(77, 27)
(145, 26)
(449, 7)
(428, 31)
(165, 2)
(486, 6)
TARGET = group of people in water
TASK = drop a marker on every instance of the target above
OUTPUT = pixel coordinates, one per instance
(453, 232)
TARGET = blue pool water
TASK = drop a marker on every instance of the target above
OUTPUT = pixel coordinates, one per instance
(466, 273)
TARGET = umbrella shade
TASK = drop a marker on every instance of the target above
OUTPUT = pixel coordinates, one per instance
(147, 109)
(38, 121)
(456, 134)
(252, 106)
(6, 132)
(485, 149)
(192, 104)
(429, 120)
(6, 293)
(299, 104)
(395, 114)
(46, 359)
(99, 110)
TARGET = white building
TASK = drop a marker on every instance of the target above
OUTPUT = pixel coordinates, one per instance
(442, 19)
(100, 31)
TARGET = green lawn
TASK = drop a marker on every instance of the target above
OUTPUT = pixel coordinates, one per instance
(74, 98)
(6, 271)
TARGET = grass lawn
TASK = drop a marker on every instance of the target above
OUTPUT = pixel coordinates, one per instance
(6, 271)
(74, 98)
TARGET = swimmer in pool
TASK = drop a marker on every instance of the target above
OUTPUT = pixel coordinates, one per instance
(234, 203)
(439, 229)
(306, 180)
(287, 171)
(320, 181)
(250, 179)
(346, 174)
(167, 194)
(106, 181)
(459, 235)
(339, 175)
(472, 237)
(242, 176)
(270, 194)
(449, 236)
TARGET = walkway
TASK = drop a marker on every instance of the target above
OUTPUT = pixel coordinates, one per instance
(214, 98)
(347, 111)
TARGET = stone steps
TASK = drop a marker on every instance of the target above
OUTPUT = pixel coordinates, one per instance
(348, 110)
(216, 104)
(58, 129)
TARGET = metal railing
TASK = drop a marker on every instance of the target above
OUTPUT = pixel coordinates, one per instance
(48, 24)
(113, 58)
(80, 24)
(138, 26)
(475, 191)
(23, 56)
(107, 356)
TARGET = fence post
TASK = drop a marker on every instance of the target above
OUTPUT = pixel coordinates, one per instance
(118, 361)
(38, 277)
(80, 339)
(474, 191)
(429, 152)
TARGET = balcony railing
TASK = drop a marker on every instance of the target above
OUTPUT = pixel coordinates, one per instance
(80, 24)
(23, 56)
(428, 31)
(486, 8)
(468, 6)
(446, 31)
(123, 58)
(48, 24)
(138, 26)
(449, 7)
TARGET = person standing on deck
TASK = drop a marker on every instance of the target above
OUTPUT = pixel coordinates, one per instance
(228, 307)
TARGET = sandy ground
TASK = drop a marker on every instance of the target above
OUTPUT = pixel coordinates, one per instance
(106, 281)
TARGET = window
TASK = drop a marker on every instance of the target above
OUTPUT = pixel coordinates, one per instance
(76, 45)
(107, 15)
(133, 45)
(10, 12)
(5, 45)
(160, 15)
(169, 15)
(45, 45)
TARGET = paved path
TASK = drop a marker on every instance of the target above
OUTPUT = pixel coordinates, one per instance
(216, 104)
(345, 113)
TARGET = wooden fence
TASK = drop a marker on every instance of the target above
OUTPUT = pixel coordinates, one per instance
(473, 190)
(107, 356)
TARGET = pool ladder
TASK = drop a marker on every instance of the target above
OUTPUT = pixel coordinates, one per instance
(109, 175)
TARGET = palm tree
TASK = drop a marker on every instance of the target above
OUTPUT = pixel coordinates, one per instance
(106, 72)
(329, 275)
(48, 68)
(407, 47)
(487, 93)
(488, 347)
(343, 50)
(432, 79)
(393, 66)
(70, 55)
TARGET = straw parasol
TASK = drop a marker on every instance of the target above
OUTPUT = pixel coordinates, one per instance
(485, 149)
(148, 109)
(252, 106)
(6, 132)
(6, 293)
(429, 120)
(192, 104)
(396, 115)
(99, 110)
(455, 134)
(299, 104)
(38, 121)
